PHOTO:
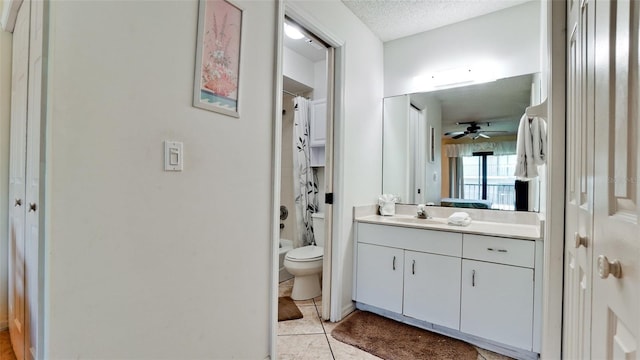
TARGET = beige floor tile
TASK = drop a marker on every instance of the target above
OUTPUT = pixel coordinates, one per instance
(304, 347)
(490, 355)
(307, 302)
(284, 288)
(309, 324)
(342, 351)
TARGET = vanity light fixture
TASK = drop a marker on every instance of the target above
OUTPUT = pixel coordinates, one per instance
(292, 32)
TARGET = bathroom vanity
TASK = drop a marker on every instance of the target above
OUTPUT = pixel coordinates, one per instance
(480, 283)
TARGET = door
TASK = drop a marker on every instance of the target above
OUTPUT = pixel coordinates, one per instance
(616, 233)
(17, 169)
(497, 303)
(33, 195)
(379, 274)
(579, 175)
(432, 288)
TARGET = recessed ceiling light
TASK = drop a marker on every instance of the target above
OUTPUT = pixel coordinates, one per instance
(292, 32)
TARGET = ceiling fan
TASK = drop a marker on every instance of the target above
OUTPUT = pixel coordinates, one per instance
(474, 131)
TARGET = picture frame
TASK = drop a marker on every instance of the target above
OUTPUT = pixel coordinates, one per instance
(217, 71)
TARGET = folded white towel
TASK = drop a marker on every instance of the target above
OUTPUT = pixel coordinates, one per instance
(460, 218)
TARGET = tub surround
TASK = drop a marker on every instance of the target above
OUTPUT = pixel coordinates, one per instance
(520, 225)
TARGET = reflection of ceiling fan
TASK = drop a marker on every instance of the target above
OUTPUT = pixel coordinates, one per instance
(473, 131)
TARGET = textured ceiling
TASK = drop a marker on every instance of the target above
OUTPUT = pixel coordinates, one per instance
(393, 19)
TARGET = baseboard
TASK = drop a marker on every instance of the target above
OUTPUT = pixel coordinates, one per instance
(4, 325)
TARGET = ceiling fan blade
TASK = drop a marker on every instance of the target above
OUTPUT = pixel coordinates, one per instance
(450, 133)
(483, 135)
(458, 136)
(495, 131)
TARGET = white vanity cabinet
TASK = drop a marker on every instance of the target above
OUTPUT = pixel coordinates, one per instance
(410, 271)
(481, 289)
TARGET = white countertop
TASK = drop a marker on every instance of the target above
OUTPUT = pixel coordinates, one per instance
(489, 228)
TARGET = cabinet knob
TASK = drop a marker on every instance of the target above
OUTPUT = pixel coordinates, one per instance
(606, 267)
(394, 263)
(33, 207)
(473, 278)
(18, 203)
(580, 240)
(413, 267)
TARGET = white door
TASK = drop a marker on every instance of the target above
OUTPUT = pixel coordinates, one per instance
(379, 276)
(616, 232)
(432, 288)
(33, 194)
(17, 202)
(579, 175)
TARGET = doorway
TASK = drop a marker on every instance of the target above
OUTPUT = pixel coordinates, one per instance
(306, 149)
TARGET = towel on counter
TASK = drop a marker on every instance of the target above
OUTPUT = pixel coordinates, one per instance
(531, 147)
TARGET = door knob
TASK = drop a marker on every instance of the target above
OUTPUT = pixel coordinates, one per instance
(580, 240)
(32, 207)
(606, 267)
(18, 202)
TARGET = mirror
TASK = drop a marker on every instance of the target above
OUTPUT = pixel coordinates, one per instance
(457, 146)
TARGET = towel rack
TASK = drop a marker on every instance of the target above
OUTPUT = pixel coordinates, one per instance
(539, 110)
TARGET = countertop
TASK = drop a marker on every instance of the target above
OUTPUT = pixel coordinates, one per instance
(489, 228)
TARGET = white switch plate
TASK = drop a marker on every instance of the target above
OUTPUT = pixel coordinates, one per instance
(172, 156)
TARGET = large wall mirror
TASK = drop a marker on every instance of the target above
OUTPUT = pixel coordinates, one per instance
(457, 146)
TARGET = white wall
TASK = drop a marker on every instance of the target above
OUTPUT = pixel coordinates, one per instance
(298, 67)
(508, 40)
(320, 80)
(143, 263)
(5, 119)
(362, 124)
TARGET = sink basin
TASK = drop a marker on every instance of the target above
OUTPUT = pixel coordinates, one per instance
(415, 220)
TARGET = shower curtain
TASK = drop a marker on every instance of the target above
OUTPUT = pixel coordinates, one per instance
(305, 184)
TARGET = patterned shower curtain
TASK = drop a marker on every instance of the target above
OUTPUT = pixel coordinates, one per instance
(305, 184)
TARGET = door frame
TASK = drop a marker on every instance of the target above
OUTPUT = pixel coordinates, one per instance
(335, 218)
(552, 293)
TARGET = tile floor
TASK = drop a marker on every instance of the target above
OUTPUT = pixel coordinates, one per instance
(310, 337)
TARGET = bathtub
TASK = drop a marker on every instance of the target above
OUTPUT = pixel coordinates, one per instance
(285, 245)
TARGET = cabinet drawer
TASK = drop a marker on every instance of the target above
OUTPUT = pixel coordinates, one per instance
(499, 250)
(429, 241)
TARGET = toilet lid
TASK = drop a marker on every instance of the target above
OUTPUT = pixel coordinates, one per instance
(306, 253)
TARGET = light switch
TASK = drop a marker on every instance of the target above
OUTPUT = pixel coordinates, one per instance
(172, 156)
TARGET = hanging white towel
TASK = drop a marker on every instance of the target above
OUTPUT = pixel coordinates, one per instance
(531, 147)
(539, 140)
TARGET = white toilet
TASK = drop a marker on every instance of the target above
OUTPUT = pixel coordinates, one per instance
(305, 264)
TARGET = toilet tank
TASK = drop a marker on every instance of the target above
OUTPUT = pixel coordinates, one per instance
(318, 228)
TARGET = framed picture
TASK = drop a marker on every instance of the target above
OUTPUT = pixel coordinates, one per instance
(217, 75)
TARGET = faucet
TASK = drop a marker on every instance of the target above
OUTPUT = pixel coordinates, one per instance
(422, 212)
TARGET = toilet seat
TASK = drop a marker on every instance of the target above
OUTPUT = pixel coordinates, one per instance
(305, 253)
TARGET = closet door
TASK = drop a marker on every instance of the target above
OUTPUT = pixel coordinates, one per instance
(34, 219)
(616, 242)
(579, 191)
(17, 166)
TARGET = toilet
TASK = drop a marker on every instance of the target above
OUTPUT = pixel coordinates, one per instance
(305, 264)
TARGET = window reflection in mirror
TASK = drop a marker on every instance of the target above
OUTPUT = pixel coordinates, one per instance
(470, 160)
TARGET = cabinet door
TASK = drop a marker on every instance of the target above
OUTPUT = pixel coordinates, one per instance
(497, 303)
(432, 288)
(318, 123)
(379, 276)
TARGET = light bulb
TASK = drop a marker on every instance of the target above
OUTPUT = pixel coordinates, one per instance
(292, 32)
